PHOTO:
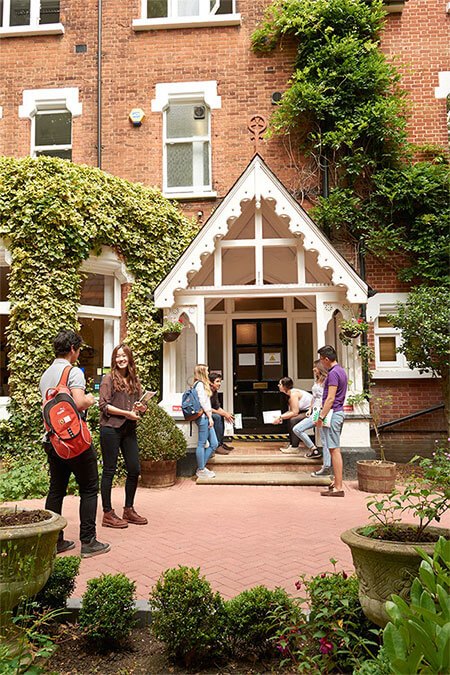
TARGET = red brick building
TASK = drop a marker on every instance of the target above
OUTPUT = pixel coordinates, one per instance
(73, 71)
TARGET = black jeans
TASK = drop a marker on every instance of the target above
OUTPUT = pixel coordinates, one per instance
(85, 469)
(293, 438)
(218, 426)
(111, 441)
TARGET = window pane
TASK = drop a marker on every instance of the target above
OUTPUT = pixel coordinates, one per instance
(63, 154)
(156, 8)
(1, 13)
(383, 322)
(185, 120)
(188, 7)
(49, 11)
(271, 333)
(215, 348)
(179, 165)
(19, 13)
(245, 333)
(3, 356)
(4, 284)
(257, 304)
(91, 356)
(205, 163)
(98, 290)
(225, 6)
(53, 128)
(387, 349)
(304, 351)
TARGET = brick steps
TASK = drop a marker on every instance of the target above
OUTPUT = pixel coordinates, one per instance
(265, 478)
(236, 463)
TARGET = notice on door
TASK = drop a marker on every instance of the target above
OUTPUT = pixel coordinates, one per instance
(272, 359)
(247, 359)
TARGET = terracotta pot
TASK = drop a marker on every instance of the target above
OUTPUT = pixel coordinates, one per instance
(26, 559)
(158, 473)
(171, 336)
(385, 567)
(375, 476)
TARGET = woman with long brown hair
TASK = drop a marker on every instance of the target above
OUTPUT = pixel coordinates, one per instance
(120, 391)
(205, 423)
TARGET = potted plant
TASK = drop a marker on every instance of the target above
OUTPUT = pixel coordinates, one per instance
(170, 330)
(27, 550)
(160, 443)
(385, 552)
(377, 475)
(349, 329)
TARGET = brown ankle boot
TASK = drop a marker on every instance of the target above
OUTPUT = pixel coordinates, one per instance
(130, 516)
(110, 519)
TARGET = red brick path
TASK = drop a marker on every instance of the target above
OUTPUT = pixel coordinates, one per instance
(240, 536)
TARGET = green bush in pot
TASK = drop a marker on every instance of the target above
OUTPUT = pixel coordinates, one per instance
(160, 443)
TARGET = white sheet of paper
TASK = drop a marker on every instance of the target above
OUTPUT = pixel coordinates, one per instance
(228, 428)
(238, 421)
(272, 358)
(247, 359)
(270, 415)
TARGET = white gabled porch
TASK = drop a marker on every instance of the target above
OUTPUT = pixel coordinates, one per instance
(260, 289)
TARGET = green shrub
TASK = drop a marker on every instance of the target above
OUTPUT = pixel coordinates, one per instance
(254, 616)
(188, 616)
(60, 584)
(335, 637)
(25, 480)
(158, 435)
(417, 639)
(107, 612)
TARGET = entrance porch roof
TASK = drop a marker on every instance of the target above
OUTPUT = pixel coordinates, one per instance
(258, 184)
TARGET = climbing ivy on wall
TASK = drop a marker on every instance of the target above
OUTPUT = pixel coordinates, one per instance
(345, 103)
(53, 215)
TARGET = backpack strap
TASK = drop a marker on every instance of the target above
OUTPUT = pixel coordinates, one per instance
(65, 376)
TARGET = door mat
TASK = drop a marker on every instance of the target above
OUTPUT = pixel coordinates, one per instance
(260, 437)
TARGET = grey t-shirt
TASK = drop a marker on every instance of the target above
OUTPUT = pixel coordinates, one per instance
(52, 376)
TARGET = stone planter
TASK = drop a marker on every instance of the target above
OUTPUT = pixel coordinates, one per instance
(385, 567)
(26, 559)
(171, 336)
(158, 473)
(376, 476)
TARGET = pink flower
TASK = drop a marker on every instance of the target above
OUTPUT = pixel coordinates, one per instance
(322, 576)
(360, 320)
(325, 646)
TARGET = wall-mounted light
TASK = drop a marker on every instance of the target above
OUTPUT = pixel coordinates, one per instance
(136, 117)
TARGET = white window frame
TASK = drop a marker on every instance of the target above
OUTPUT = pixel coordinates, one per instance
(51, 101)
(5, 309)
(384, 304)
(204, 93)
(33, 28)
(204, 18)
(42, 148)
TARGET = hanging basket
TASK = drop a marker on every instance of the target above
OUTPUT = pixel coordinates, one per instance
(350, 333)
(171, 336)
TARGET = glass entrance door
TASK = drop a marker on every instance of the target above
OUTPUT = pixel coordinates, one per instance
(259, 361)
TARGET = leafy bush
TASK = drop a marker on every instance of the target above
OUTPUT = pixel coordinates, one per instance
(417, 640)
(158, 435)
(107, 611)
(25, 480)
(188, 616)
(254, 616)
(335, 637)
(60, 584)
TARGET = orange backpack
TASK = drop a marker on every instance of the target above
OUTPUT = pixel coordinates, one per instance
(67, 430)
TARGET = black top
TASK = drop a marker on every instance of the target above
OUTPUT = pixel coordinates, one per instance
(215, 403)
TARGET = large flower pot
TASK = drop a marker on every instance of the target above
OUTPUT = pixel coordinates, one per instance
(158, 473)
(385, 567)
(171, 336)
(376, 476)
(26, 559)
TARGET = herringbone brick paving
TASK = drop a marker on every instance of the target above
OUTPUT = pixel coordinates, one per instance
(240, 536)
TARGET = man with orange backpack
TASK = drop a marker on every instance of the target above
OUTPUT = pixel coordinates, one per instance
(63, 391)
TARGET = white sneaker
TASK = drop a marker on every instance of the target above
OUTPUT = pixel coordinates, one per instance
(290, 450)
(211, 474)
(202, 473)
(206, 445)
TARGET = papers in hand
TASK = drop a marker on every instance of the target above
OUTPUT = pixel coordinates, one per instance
(146, 396)
(270, 415)
(327, 419)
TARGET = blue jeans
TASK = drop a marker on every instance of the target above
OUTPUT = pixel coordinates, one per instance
(205, 433)
(303, 426)
(219, 427)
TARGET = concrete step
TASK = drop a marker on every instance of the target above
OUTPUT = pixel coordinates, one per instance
(265, 478)
(236, 463)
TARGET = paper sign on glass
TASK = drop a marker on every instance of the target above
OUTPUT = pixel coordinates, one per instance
(272, 358)
(247, 359)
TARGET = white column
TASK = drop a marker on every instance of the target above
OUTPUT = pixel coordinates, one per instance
(322, 318)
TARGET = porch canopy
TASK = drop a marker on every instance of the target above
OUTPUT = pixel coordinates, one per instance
(258, 252)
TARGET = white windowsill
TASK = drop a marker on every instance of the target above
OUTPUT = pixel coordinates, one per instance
(27, 31)
(185, 196)
(399, 374)
(186, 22)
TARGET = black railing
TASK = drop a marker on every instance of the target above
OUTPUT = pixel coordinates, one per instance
(419, 413)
